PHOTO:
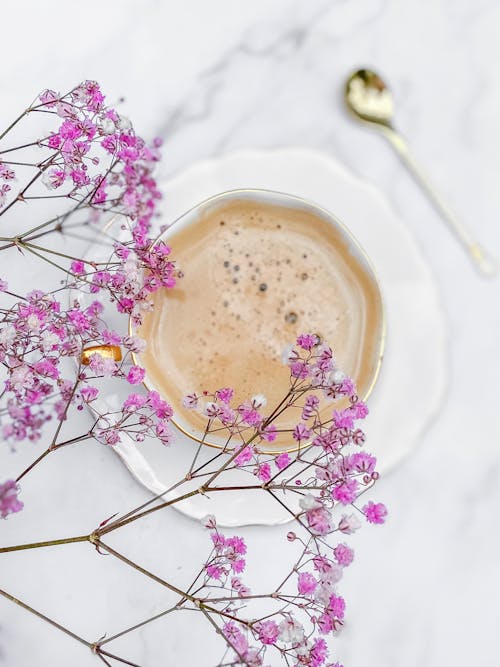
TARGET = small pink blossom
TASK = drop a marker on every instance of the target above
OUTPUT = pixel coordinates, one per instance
(209, 521)
(307, 341)
(133, 402)
(268, 632)
(375, 512)
(4, 189)
(78, 267)
(301, 432)
(319, 652)
(225, 394)
(306, 583)
(48, 98)
(238, 565)
(349, 524)
(343, 554)
(269, 433)
(319, 520)
(346, 492)
(134, 344)
(53, 178)
(282, 460)
(264, 472)
(214, 571)
(190, 401)
(136, 375)
(9, 503)
(237, 544)
(244, 456)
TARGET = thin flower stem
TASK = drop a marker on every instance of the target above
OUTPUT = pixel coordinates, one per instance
(139, 625)
(45, 618)
(33, 464)
(46, 259)
(48, 543)
(135, 566)
(118, 659)
(167, 503)
(14, 123)
(27, 186)
(42, 249)
(17, 148)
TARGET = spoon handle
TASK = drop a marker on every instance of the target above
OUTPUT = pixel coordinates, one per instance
(481, 259)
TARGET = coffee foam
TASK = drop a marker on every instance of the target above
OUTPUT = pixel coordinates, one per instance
(255, 276)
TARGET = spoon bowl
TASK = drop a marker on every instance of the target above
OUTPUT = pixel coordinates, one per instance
(368, 97)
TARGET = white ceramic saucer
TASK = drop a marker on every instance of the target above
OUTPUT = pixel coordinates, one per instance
(412, 380)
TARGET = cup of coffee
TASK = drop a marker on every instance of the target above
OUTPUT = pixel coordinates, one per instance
(259, 267)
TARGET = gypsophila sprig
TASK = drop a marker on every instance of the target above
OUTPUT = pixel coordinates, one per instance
(58, 357)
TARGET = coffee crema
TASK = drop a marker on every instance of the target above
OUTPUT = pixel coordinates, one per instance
(255, 276)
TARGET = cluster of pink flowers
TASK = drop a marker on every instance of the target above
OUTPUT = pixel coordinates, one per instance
(338, 473)
(51, 364)
(226, 561)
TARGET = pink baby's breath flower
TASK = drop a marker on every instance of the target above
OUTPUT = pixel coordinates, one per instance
(310, 407)
(346, 492)
(133, 402)
(219, 541)
(89, 393)
(264, 472)
(282, 460)
(225, 395)
(209, 521)
(343, 554)
(291, 631)
(160, 407)
(249, 415)
(268, 632)
(190, 401)
(245, 455)
(163, 432)
(349, 524)
(237, 544)
(134, 344)
(238, 565)
(78, 267)
(307, 341)
(375, 512)
(214, 571)
(9, 502)
(53, 178)
(6, 174)
(4, 285)
(269, 433)
(343, 418)
(49, 98)
(102, 366)
(299, 369)
(319, 652)
(306, 583)
(4, 189)
(109, 436)
(235, 637)
(301, 432)
(136, 375)
(359, 409)
(319, 520)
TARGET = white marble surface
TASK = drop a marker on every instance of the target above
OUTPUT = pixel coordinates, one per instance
(211, 77)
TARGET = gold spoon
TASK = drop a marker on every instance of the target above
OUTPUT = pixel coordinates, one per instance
(370, 100)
